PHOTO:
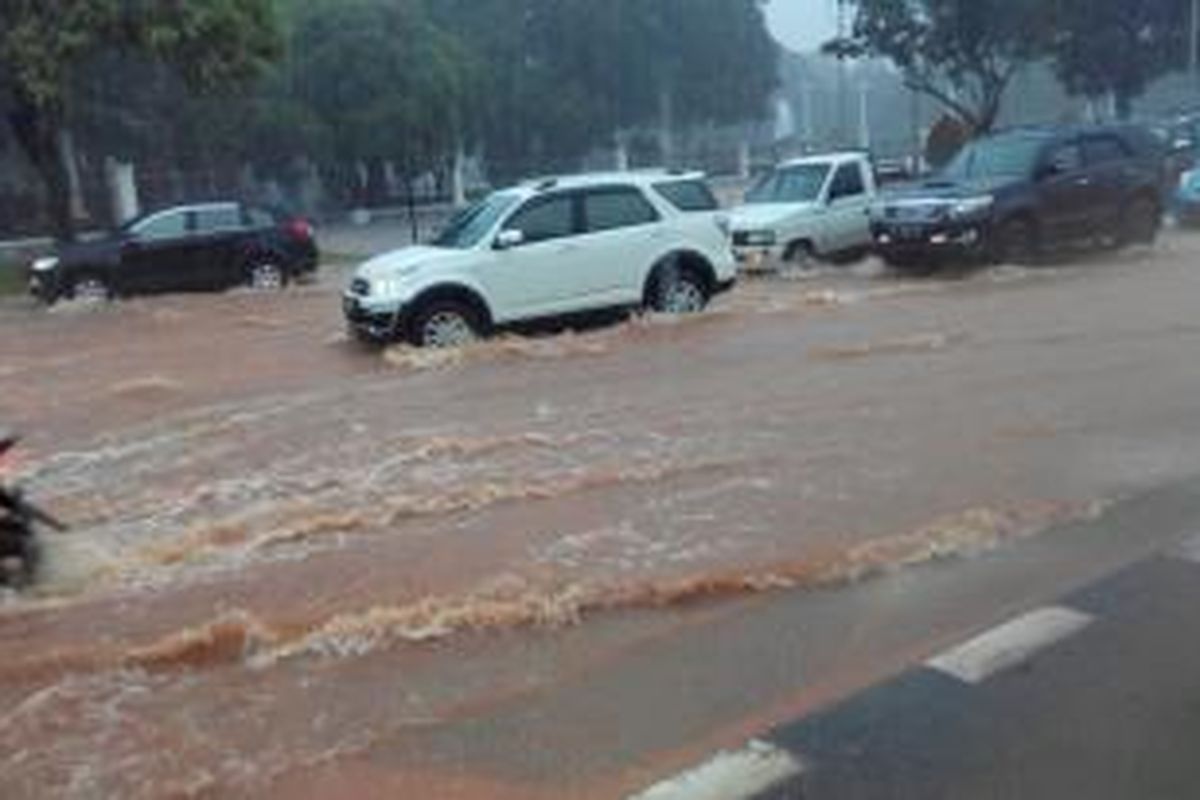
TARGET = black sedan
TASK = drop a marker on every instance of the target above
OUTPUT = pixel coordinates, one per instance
(208, 247)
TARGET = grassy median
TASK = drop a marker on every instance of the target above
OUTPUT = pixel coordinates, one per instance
(12, 278)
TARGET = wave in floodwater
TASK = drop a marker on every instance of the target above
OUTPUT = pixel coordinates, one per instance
(905, 345)
(514, 602)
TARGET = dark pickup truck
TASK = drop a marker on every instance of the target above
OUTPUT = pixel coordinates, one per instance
(1012, 196)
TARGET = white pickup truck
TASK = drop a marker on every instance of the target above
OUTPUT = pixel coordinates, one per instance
(812, 207)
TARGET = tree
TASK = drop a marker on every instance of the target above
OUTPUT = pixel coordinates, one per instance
(962, 53)
(43, 45)
(1117, 48)
(388, 84)
(565, 76)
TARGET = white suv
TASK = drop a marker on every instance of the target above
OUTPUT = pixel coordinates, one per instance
(814, 207)
(548, 249)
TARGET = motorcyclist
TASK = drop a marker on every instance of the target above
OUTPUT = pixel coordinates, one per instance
(19, 549)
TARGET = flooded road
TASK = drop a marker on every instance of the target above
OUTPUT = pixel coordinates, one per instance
(272, 524)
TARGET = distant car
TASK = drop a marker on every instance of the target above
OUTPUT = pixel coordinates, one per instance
(812, 207)
(1010, 196)
(1187, 199)
(207, 247)
(552, 248)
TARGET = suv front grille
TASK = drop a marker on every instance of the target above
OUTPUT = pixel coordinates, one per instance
(741, 238)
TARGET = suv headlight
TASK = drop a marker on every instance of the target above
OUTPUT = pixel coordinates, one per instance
(759, 238)
(390, 288)
(45, 264)
(972, 206)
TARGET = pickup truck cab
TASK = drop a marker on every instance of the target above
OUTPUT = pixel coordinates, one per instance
(812, 207)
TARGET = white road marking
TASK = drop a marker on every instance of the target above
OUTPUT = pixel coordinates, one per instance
(1010, 644)
(745, 773)
(1189, 550)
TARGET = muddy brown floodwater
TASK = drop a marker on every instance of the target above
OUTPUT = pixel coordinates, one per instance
(271, 523)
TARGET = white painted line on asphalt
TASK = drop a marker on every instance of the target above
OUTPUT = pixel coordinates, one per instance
(1189, 550)
(738, 775)
(1010, 644)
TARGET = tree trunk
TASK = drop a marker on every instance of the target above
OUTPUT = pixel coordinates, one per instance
(37, 131)
(1123, 105)
(70, 160)
(666, 125)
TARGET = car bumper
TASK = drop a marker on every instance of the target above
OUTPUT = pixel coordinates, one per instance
(373, 321)
(762, 258)
(968, 238)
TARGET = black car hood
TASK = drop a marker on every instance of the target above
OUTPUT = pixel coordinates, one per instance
(946, 189)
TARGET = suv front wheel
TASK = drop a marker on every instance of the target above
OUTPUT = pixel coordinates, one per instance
(442, 324)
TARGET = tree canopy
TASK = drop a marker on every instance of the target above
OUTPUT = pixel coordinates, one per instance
(963, 53)
(44, 45)
(1117, 48)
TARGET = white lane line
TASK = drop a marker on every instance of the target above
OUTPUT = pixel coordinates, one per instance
(1010, 644)
(745, 773)
(1189, 550)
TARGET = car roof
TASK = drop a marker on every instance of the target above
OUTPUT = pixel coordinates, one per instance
(586, 180)
(835, 157)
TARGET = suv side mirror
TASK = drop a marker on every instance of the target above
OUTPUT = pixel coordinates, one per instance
(509, 238)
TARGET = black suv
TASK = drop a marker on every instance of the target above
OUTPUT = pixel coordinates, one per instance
(1010, 196)
(204, 247)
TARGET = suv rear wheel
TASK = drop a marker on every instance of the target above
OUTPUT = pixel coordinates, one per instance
(265, 274)
(678, 290)
(1142, 222)
(445, 323)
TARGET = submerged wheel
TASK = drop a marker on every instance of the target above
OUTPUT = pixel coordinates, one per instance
(90, 289)
(1016, 242)
(266, 275)
(446, 323)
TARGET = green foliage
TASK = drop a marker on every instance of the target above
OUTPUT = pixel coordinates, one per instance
(963, 53)
(1118, 47)
(46, 46)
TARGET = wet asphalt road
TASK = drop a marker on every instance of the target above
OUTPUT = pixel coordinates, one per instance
(553, 567)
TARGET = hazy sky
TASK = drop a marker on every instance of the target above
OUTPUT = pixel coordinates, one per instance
(803, 24)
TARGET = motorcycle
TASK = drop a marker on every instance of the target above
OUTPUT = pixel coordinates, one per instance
(20, 550)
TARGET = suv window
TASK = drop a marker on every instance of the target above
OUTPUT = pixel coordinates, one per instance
(688, 195)
(1104, 150)
(214, 219)
(609, 209)
(545, 218)
(848, 182)
(1066, 158)
(167, 225)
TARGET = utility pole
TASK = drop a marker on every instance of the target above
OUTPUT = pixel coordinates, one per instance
(1194, 42)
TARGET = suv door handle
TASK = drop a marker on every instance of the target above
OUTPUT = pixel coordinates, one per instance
(1083, 181)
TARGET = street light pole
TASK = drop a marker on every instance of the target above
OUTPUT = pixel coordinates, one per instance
(1194, 42)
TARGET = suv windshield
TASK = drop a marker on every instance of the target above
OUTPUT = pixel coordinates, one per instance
(998, 157)
(470, 225)
(799, 184)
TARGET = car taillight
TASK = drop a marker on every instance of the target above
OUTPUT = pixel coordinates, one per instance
(300, 229)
